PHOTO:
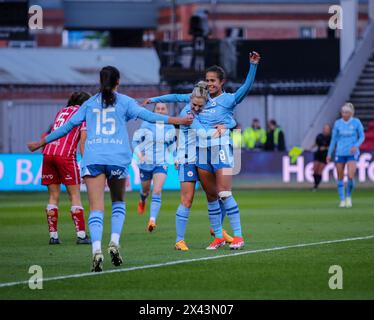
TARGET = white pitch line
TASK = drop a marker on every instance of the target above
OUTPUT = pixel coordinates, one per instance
(172, 263)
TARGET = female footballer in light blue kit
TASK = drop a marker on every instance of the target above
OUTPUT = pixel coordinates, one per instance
(215, 175)
(107, 155)
(186, 159)
(152, 145)
(347, 137)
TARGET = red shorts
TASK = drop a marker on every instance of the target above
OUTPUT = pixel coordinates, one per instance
(57, 170)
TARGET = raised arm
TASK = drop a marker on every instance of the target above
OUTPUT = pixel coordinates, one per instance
(243, 91)
(173, 97)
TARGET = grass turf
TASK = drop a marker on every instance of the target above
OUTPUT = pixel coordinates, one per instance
(270, 218)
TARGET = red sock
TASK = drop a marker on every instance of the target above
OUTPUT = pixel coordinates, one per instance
(78, 218)
(52, 217)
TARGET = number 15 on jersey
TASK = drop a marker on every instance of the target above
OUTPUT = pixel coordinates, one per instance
(105, 124)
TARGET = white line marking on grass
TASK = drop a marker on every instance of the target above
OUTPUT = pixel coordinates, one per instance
(172, 263)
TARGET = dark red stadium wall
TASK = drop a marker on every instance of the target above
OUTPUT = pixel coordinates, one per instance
(53, 26)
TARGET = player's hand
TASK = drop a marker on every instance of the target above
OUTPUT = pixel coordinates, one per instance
(176, 165)
(186, 121)
(353, 150)
(35, 145)
(254, 57)
(328, 159)
(145, 102)
(220, 130)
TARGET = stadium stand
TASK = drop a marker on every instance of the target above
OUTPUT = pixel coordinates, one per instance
(363, 94)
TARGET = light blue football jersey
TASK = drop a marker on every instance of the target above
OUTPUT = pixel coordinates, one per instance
(157, 142)
(107, 138)
(216, 110)
(190, 136)
(345, 135)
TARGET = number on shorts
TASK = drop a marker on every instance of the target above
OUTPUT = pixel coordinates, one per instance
(222, 155)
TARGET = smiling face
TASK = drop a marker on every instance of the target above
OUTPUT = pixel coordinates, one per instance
(197, 104)
(161, 108)
(215, 84)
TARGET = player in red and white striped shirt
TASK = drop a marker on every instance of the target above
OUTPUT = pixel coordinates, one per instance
(60, 166)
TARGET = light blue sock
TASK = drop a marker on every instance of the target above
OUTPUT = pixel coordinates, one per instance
(234, 216)
(118, 217)
(214, 212)
(155, 206)
(181, 220)
(350, 186)
(95, 224)
(223, 211)
(340, 185)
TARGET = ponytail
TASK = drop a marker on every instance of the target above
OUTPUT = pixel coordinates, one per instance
(109, 77)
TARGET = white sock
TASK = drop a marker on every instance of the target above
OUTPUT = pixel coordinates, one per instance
(96, 246)
(53, 235)
(115, 238)
(73, 208)
(152, 219)
(51, 206)
(81, 234)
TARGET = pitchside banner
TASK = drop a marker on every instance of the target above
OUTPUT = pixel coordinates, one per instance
(22, 172)
(276, 169)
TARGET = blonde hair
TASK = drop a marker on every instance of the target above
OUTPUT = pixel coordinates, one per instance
(348, 107)
(200, 90)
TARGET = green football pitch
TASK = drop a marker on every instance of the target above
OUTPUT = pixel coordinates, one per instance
(293, 237)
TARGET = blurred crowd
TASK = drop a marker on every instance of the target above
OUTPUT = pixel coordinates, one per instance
(258, 139)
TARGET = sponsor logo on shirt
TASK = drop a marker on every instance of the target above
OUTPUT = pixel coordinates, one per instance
(209, 110)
